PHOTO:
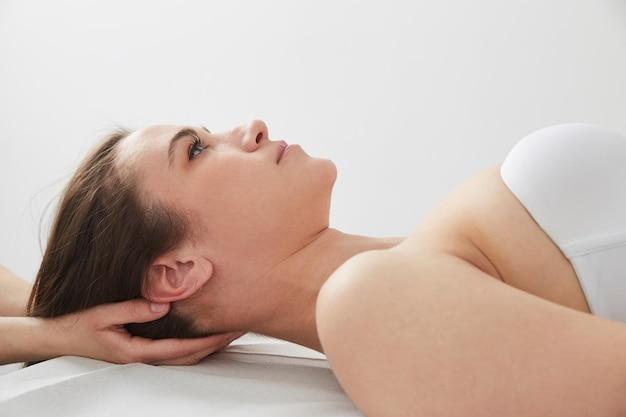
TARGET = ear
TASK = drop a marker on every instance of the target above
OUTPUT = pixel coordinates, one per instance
(176, 275)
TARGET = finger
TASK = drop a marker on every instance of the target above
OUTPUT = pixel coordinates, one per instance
(236, 335)
(187, 360)
(165, 349)
(137, 310)
(196, 357)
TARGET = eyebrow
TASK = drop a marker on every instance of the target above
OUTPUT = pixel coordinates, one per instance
(183, 133)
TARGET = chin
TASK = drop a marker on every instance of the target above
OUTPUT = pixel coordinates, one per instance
(327, 171)
(333, 174)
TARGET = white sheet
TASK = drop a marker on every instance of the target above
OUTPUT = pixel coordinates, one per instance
(252, 377)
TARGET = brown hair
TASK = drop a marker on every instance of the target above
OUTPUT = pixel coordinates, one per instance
(103, 240)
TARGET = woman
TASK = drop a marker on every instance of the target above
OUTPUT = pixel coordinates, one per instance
(93, 333)
(477, 312)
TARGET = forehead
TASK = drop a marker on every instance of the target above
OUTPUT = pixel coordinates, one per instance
(148, 143)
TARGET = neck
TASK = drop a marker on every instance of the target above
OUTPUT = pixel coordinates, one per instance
(298, 279)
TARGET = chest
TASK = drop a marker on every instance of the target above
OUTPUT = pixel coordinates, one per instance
(483, 222)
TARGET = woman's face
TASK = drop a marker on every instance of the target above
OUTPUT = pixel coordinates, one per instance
(238, 198)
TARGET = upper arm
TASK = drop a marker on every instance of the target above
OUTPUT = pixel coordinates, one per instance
(438, 336)
(336, 297)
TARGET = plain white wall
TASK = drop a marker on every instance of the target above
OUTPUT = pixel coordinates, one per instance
(407, 98)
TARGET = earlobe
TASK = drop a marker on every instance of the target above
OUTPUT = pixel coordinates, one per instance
(172, 278)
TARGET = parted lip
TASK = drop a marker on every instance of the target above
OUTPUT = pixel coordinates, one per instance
(281, 148)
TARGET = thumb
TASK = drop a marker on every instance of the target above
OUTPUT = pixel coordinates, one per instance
(159, 308)
(138, 310)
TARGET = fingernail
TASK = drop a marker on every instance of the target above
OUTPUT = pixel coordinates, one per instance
(158, 307)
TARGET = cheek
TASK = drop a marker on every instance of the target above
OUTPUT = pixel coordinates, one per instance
(251, 191)
(233, 189)
(261, 196)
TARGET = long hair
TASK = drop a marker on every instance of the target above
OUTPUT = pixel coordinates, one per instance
(103, 240)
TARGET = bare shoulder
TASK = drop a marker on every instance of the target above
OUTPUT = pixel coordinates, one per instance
(431, 334)
(449, 230)
(484, 223)
(358, 270)
(456, 224)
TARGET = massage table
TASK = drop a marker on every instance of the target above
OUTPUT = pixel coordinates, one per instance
(254, 376)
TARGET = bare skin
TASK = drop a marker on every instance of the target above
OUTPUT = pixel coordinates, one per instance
(260, 247)
(482, 222)
(481, 297)
(430, 334)
(476, 313)
(96, 332)
(468, 224)
(260, 267)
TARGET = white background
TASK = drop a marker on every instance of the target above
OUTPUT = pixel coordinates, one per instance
(407, 98)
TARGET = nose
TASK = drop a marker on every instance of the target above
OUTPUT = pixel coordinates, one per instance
(255, 132)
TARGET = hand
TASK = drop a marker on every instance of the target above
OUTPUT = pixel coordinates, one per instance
(98, 333)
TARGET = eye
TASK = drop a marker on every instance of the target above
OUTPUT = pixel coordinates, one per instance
(195, 147)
